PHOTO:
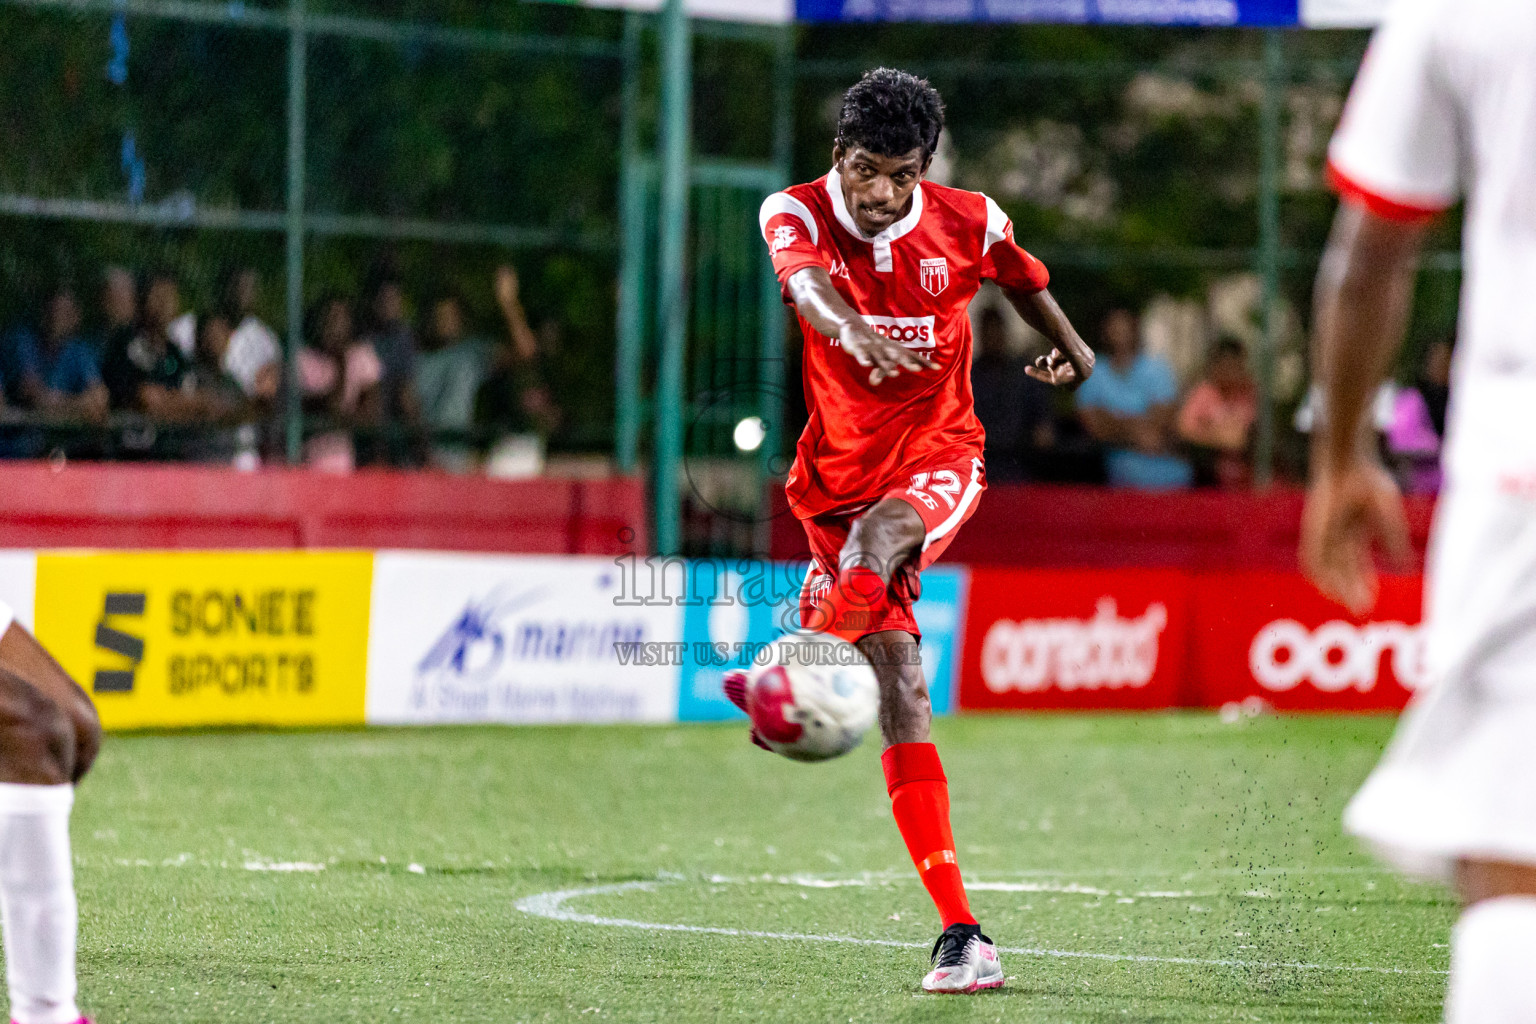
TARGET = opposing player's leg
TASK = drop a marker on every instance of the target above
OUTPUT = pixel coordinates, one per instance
(49, 736)
(1494, 945)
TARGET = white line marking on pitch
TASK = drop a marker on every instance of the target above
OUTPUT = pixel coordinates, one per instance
(551, 906)
(1060, 888)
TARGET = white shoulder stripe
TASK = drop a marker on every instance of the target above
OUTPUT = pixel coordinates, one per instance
(997, 224)
(783, 202)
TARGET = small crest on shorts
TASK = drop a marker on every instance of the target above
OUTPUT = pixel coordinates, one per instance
(933, 274)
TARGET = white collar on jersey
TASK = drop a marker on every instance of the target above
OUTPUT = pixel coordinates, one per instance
(882, 241)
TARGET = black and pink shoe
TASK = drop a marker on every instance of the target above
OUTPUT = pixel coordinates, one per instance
(964, 961)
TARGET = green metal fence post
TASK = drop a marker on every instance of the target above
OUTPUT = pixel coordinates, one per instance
(672, 239)
(771, 313)
(297, 70)
(1269, 251)
(630, 329)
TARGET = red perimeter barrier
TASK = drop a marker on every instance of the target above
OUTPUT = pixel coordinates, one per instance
(1039, 525)
(1085, 597)
(152, 506)
(1146, 638)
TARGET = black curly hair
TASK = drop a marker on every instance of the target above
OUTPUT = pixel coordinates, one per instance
(891, 113)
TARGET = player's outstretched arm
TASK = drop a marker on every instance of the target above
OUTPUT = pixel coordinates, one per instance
(824, 309)
(1071, 360)
(1363, 295)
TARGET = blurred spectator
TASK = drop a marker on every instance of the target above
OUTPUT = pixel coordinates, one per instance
(254, 355)
(1128, 406)
(1417, 428)
(340, 378)
(1014, 408)
(225, 402)
(54, 371)
(181, 327)
(395, 344)
(1218, 415)
(1434, 384)
(147, 372)
(452, 367)
(119, 309)
(207, 375)
(1381, 409)
(514, 401)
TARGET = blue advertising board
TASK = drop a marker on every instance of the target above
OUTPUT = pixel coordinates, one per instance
(1214, 13)
(1071, 12)
(732, 609)
(940, 615)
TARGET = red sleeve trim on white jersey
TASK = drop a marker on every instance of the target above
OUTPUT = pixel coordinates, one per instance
(1402, 211)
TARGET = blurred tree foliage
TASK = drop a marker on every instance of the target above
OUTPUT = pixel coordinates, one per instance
(393, 130)
(1140, 179)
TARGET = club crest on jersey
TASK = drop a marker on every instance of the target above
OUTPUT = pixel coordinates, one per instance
(783, 238)
(933, 274)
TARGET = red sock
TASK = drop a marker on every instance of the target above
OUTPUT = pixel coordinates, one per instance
(857, 599)
(920, 800)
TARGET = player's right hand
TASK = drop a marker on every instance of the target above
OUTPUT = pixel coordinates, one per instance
(885, 357)
(1349, 510)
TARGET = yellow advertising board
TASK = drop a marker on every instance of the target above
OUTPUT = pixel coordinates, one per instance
(168, 639)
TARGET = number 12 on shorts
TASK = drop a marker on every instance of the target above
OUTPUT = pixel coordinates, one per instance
(945, 484)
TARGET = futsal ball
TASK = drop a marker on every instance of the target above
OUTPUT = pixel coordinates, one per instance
(812, 697)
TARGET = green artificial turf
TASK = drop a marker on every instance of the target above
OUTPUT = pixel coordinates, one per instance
(376, 876)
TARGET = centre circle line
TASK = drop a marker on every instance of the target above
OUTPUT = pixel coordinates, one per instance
(551, 906)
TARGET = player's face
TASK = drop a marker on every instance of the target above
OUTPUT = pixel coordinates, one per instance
(878, 189)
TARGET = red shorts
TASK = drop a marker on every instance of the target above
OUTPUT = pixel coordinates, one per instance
(944, 496)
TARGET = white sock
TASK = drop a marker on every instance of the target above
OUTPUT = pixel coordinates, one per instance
(37, 902)
(1493, 950)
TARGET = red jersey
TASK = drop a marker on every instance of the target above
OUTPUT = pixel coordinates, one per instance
(912, 282)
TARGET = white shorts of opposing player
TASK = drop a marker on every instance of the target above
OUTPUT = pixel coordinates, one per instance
(1492, 952)
(1459, 779)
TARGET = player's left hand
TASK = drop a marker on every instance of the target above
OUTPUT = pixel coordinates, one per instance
(1055, 369)
(1348, 511)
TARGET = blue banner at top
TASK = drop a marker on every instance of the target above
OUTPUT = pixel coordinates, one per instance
(1258, 13)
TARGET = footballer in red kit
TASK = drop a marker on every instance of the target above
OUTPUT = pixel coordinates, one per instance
(880, 267)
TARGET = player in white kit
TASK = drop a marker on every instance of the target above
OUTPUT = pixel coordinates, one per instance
(1445, 108)
(49, 735)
